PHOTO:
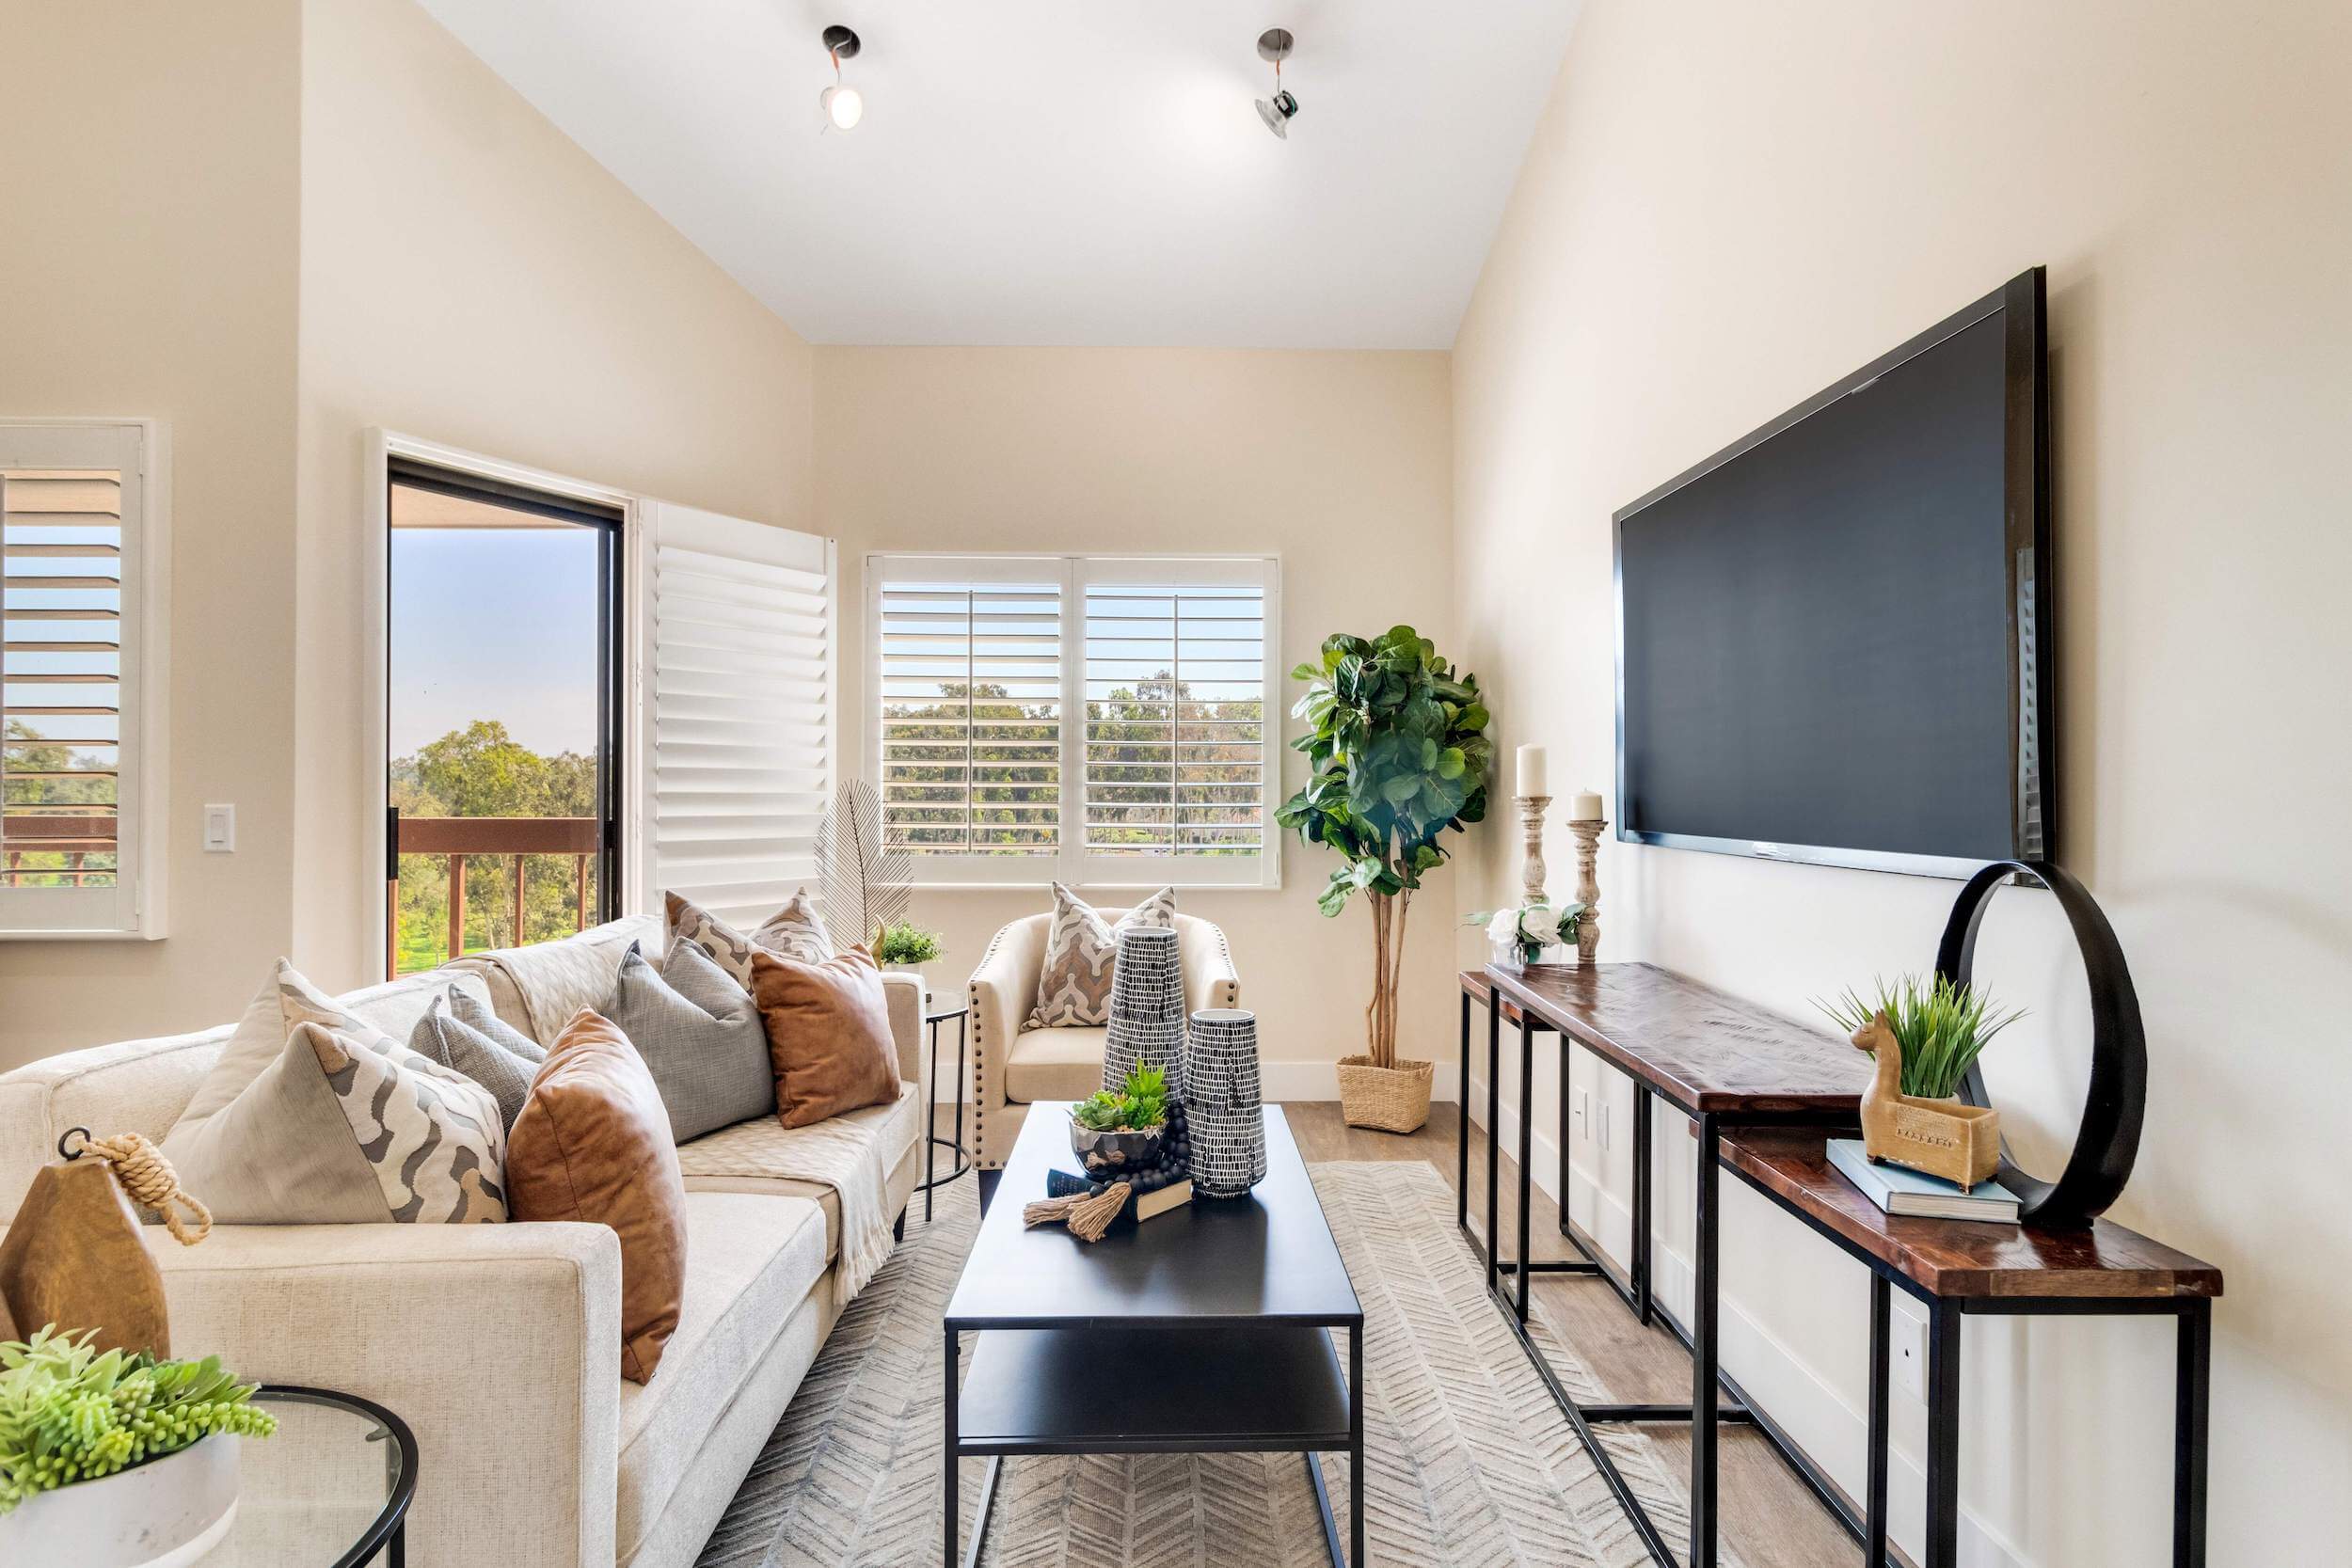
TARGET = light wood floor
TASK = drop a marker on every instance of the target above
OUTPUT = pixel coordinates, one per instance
(1767, 1515)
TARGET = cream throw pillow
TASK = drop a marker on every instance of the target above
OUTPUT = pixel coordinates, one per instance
(1075, 987)
(795, 930)
(312, 1117)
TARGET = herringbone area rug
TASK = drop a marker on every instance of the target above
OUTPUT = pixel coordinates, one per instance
(1470, 1464)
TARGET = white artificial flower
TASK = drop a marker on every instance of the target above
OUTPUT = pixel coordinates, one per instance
(1540, 923)
(1503, 927)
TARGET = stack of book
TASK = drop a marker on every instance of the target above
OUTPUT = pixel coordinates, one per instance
(1902, 1191)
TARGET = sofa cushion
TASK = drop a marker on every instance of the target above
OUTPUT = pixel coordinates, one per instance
(752, 1259)
(699, 1034)
(828, 1036)
(757, 1157)
(1082, 953)
(593, 1144)
(467, 1036)
(1053, 1064)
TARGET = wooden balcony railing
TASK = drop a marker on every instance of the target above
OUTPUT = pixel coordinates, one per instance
(72, 833)
(461, 840)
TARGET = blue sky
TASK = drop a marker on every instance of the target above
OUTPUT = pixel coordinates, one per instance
(495, 623)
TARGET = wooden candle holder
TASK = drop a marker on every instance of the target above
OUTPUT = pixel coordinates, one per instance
(1588, 887)
(1532, 808)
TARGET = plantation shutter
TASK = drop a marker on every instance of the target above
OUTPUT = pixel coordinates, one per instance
(72, 694)
(1176, 763)
(736, 682)
(970, 672)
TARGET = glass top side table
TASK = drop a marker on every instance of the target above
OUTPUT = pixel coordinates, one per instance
(330, 1490)
(937, 1011)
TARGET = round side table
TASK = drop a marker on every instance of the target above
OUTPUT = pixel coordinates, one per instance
(934, 1014)
(332, 1487)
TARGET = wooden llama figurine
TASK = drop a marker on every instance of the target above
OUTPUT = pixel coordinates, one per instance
(1958, 1142)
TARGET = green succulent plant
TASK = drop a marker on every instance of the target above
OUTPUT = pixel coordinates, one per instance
(1942, 1027)
(1140, 1104)
(68, 1413)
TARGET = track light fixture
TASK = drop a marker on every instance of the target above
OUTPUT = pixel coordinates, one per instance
(844, 105)
(1279, 110)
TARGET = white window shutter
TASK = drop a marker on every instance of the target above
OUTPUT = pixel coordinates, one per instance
(735, 699)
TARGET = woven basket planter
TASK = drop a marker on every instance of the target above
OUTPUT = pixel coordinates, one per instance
(1387, 1100)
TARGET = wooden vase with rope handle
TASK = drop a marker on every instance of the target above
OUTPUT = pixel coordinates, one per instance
(75, 1256)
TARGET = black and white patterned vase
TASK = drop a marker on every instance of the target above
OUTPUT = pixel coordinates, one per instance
(1146, 1017)
(1223, 1109)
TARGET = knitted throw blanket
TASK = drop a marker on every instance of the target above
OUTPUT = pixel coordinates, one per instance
(844, 1152)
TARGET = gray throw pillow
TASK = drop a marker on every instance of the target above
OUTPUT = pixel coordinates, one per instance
(700, 1034)
(460, 1033)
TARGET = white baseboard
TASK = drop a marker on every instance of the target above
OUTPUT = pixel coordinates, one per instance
(1784, 1385)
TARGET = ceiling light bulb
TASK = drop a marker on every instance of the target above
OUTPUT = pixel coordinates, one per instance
(1277, 112)
(844, 107)
(1274, 46)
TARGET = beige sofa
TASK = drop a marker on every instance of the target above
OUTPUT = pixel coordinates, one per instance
(1014, 1066)
(499, 1345)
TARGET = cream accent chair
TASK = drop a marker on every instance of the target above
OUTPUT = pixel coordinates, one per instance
(1014, 1065)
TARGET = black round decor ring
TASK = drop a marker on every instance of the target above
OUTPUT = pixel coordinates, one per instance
(2109, 1140)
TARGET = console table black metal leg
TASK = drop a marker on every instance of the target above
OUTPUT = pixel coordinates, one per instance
(1356, 1446)
(2192, 1397)
(1494, 1134)
(1874, 1491)
(1462, 1125)
(1942, 1548)
(1708, 1289)
(1642, 1106)
(1527, 1155)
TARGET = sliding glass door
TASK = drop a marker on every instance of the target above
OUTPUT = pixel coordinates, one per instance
(502, 715)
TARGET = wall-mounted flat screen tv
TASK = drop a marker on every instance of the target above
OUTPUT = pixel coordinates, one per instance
(1833, 635)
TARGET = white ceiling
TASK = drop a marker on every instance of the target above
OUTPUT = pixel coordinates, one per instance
(1081, 171)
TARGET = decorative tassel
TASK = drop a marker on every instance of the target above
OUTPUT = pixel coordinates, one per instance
(1089, 1216)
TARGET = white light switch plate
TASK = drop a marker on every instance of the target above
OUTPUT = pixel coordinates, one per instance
(221, 829)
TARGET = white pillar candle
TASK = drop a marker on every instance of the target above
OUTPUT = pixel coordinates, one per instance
(1584, 806)
(1533, 775)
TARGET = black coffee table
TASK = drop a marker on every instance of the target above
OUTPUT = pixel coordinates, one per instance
(1229, 1303)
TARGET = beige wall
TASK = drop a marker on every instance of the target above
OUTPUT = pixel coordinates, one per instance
(1336, 461)
(148, 178)
(471, 276)
(274, 225)
(1729, 206)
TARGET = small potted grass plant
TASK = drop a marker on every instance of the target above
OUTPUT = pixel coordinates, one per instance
(117, 1459)
(1924, 1034)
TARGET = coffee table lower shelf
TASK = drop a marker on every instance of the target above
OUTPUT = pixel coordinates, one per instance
(1239, 1387)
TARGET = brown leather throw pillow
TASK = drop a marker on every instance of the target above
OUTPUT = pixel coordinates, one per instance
(828, 1033)
(593, 1144)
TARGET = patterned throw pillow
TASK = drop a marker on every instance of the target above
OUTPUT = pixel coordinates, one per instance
(343, 1125)
(795, 930)
(701, 1038)
(1074, 987)
(458, 1032)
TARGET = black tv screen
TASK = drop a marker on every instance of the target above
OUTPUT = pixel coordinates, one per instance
(1833, 633)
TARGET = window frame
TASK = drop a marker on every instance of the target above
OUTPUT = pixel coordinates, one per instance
(1076, 572)
(136, 908)
(383, 446)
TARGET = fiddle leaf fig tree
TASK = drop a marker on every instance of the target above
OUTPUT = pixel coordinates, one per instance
(1400, 753)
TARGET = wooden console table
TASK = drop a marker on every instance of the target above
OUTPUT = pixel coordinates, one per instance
(1762, 1094)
